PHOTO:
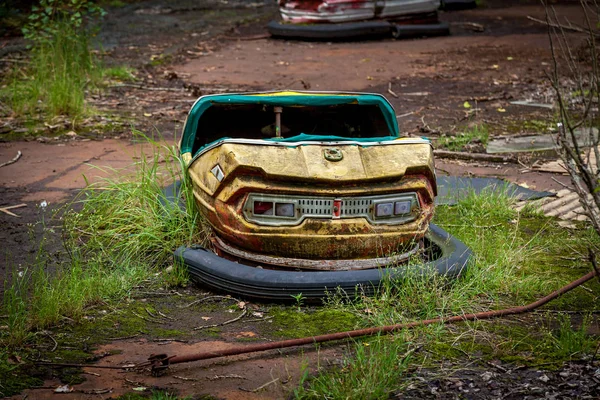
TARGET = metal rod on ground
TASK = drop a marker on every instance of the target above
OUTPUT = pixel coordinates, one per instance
(162, 361)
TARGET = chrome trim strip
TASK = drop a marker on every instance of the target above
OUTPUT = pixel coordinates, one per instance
(323, 265)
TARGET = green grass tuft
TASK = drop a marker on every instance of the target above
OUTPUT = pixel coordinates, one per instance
(119, 73)
(458, 142)
(373, 372)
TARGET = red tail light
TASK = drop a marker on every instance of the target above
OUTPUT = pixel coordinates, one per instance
(263, 208)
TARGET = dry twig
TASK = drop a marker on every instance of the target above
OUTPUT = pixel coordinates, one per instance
(556, 25)
(5, 209)
(13, 160)
(260, 387)
(390, 91)
(244, 312)
(209, 298)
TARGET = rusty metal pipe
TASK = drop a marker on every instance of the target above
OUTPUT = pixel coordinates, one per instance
(162, 361)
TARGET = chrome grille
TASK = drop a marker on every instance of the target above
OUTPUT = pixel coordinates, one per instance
(356, 207)
(315, 207)
(323, 208)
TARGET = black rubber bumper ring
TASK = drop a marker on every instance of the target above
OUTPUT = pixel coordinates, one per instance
(208, 269)
(355, 30)
(349, 30)
(456, 5)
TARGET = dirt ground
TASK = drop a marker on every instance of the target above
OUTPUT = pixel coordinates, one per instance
(187, 48)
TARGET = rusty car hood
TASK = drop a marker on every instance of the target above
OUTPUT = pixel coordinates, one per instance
(360, 162)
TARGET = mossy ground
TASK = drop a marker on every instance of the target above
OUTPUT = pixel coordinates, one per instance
(290, 322)
(519, 257)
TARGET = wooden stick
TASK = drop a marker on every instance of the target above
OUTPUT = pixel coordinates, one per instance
(460, 155)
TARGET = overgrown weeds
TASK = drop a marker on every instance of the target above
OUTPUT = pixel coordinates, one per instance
(117, 232)
(62, 66)
(517, 258)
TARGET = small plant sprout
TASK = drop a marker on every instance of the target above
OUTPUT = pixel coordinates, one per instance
(299, 298)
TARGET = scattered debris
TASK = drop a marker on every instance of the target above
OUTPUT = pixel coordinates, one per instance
(522, 144)
(532, 104)
(260, 387)
(558, 166)
(565, 206)
(244, 312)
(460, 155)
(475, 27)
(63, 389)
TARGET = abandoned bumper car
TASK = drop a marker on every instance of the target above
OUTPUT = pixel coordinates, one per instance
(347, 19)
(310, 193)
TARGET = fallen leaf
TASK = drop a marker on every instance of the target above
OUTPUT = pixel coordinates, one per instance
(501, 109)
(509, 58)
(487, 376)
(245, 334)
(139, 389)
(14, 359)
(257, 314)
(147, 114)
(369, 78)
(467, 104)
(242, 304)
(206, 318)
(495, 66)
